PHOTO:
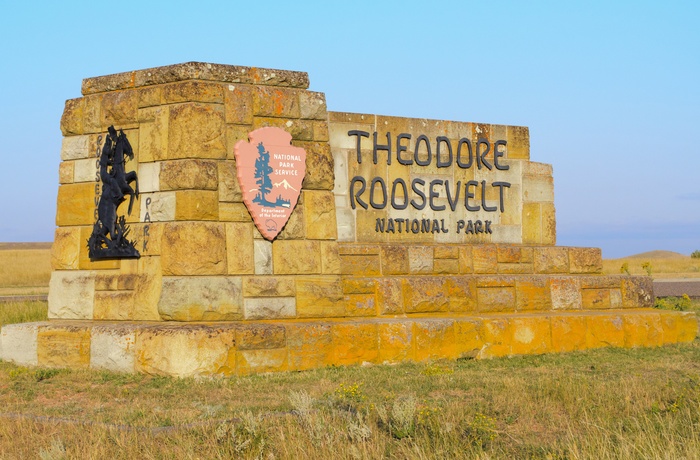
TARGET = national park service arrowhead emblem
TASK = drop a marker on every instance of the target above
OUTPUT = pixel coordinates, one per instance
(270, 173)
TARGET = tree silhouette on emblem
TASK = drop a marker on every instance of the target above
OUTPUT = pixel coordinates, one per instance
(262, 176)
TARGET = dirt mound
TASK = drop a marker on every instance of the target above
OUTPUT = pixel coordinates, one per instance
(657, 255)
(5, 246)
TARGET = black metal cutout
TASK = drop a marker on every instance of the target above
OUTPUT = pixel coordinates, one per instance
(109, 234)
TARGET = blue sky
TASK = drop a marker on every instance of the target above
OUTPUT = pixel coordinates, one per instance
(610, 90)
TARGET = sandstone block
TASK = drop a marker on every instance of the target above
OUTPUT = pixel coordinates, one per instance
(319, 166)
(465, 259)
(76, 204)
(312, 105)
(637, 292)
(66, 171)
(355, 343)
(196, 131)
(467, 339)
(112, 349)
(538, 188)
(263, 257)
(319, 296)
(566, 293)
(532, 223)
(63, 346)
(436, 338)
(71, 294)
(261, 361)
(75, 148)
(309, 345)
(189, 174)
(153, 134)
(496, 299)
(276, 102)
(320, 131)
(18, 343)
(390, 296)
(359, 285)
(291, 257)
(85, 170)
(604, 331)
(360, 304)
(461, 292)
(518, 142)
(424, 294)
(420, 259)
(183, 239)
(268, 286)
(643, 330)
(92, 116)
(362, 265)
(394, 260)
(229, 188)
(568, 333)
(148, 289)
(319, 215)
(157, 207)
(294, 229)
(185, 352)
(446, 266)
(346, 224)
(201, 298)
(551, 260)
(485, 258)
(192, 91)
(72, 117)
(509, 254)
(233, 212)
(301, 130)
(65, 250)
(238, 104)
(687, 326)
(497, 336)
(150, 96)
(533, 293)
(235, 133)
(395, 342)
(531, 335)
(119, 108)
(595, 299)
(84, 262)
(260, 336)
(113, 305)
(330, 258)
(549, 224)
(196, 205)
(240, 251)
(269, 307)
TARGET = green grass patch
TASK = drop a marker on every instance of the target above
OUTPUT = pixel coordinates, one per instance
(23, 312)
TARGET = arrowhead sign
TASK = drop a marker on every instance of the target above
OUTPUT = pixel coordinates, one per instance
(270, 173)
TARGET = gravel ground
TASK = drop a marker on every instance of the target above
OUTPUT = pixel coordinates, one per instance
(677, 287)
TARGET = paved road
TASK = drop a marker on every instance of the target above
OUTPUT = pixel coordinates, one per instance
(23, 298)
(677, 287)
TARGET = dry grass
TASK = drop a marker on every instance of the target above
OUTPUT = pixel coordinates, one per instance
(672, 267)
(640, 403)
(25, 268)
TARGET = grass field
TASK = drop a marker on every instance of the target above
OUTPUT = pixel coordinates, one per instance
(639, 403)
(25, 268)
(658, 264)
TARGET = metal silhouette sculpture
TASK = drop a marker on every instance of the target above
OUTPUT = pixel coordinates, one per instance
(109, 234)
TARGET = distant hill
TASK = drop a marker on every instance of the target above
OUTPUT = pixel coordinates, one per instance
(657, 255)
(5, 246)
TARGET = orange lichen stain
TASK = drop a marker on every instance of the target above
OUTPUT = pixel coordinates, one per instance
(278, 102)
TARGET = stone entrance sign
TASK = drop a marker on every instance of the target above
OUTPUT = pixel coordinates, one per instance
(275, 235)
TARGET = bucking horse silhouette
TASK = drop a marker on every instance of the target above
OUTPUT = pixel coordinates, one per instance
(108, 236)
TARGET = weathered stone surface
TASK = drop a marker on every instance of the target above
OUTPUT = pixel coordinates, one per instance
(319, 296)
(461, 293)
(319, 215)
(531, 335)
(319, 166)
(395, 260)
(85, 170)
(358, 264)
(390, 296)
(637, 292)
(269, 286)
(189, 174)
(65, 250)
(518, 142)
(355, 343)
(192, 91)
(229, 188)
(18, 343)
(76, 204)
(485, 258)
(301, 130)
(66, 172)
(113, 305)
(196, 205)
(420, 259)
(549, 224)
(497, 336)
(147, 289)
(196, 131)
(233, 212)
(75, 147)
(260, 336)
(568, 333)
(263, 257)
(261, 361)
(604, 330)
(395, 342)
(112, 349)
(240, 250)
(532, 293)
(312, 105)
(183, 239)
(291, 257)
(595, 299)
(276, 102)
(71, 294)
(467, 339)
(63, 347)
(446, 266)
(538, 188)
(157, 207)
(269, 307)
(643, 330)
(119, 108)
(153, 134)
(551, 260)
(566, 293)
(72, 118)
(309, 345)
(436, 339)
(168, 350)
(424, 294)
(496, 299)
(238, 104)
(330, 258)
(201, 298)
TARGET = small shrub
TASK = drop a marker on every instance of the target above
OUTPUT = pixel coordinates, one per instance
(647, 267)
(481, 430)
(246, 436)
(400, 422)
(682, 303)
(349, 397)
(625, 268)
(695, 254)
